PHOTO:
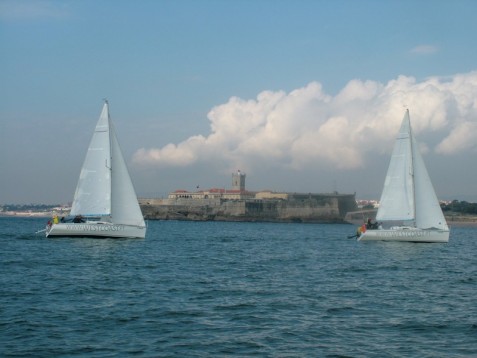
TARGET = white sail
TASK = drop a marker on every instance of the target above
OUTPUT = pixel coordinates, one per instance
(397, 198)
(124, 205)
(93, 192)
(428, 210)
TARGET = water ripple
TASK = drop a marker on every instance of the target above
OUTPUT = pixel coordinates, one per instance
(235, 289)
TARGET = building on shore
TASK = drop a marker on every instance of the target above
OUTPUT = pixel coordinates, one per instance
(239, 204)
(237, 192)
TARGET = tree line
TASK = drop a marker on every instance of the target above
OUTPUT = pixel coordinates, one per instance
(27, 207)
(462, 207)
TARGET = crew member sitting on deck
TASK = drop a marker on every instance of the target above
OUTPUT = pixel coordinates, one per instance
(78, 219)
(361, 230)
(370, 225)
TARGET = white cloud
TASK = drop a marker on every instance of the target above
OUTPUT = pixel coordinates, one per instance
(424, 49)
(182, 154)
(308, 127)
(462, 137)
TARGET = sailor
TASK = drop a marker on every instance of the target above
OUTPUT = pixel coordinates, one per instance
(55, 219)
(370, 225)
(78, 219)
(361, 230)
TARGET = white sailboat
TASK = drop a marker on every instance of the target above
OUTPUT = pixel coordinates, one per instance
(408, 200)
(105, 203)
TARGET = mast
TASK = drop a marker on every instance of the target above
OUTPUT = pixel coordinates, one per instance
(110, 167)
(412, 167)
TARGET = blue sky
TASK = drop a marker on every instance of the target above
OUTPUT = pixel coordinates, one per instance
(303, 96)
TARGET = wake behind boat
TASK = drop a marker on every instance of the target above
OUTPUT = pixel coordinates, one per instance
(409, 209)
(105, 203)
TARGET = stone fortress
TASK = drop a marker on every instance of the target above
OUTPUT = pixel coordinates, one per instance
(239, 204)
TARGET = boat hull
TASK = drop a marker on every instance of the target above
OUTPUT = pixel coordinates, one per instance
(405, 234)
(96, 229)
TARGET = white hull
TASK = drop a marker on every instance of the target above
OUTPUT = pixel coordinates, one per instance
(96, 229)
(405, 234)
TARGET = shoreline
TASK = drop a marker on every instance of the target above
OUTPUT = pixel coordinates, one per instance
(452, 221)
(20, 214)
(463, 223)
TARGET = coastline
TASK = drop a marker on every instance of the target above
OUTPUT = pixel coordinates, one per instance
(24, 214)
(464, 221)
(452, 220)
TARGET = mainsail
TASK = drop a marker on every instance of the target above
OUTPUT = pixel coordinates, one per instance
(397, 198)
(93, 192)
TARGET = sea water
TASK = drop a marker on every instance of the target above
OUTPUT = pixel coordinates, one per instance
(213, 289)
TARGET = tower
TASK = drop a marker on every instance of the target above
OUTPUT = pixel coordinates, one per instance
(238, 181)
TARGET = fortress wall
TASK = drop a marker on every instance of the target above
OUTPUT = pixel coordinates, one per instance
(153, 201)
(300, 208)
(346, 203)
(310, 210)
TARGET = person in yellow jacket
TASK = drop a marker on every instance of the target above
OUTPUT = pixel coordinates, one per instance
(55, 219)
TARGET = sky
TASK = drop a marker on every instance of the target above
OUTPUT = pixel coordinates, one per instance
(302, 96)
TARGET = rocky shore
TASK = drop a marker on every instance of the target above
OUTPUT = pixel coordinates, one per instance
(356, 218)
(461, 220)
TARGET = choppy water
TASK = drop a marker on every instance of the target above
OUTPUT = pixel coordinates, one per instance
(212, 289)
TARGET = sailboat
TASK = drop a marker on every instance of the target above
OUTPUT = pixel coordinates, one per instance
(408, 205)
(105, 203)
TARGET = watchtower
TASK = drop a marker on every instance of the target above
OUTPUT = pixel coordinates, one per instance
(238, 181)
